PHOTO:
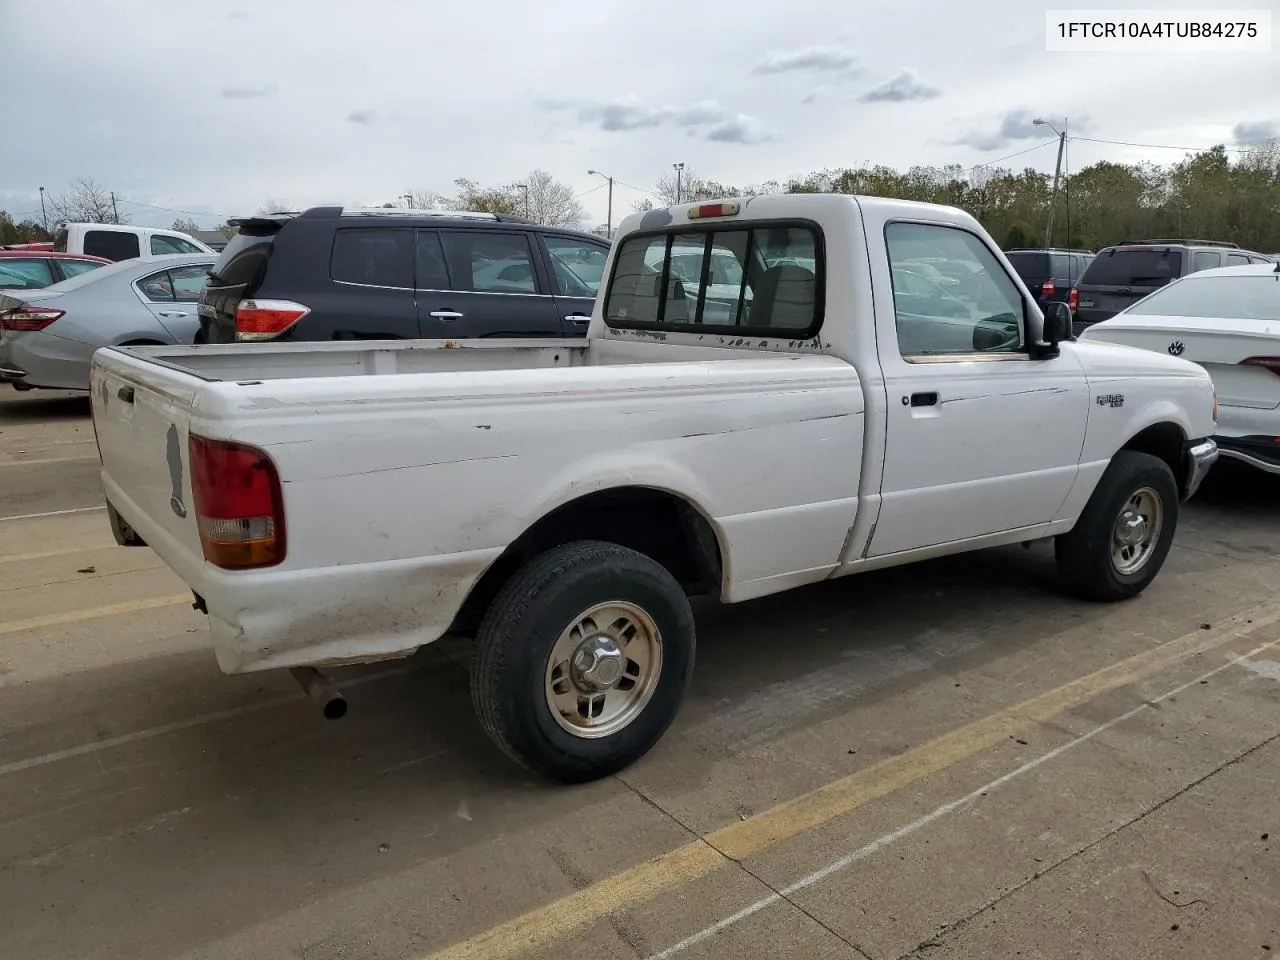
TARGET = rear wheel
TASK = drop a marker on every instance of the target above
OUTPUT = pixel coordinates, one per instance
(582, 660)
(125, 535)
(1124, 534)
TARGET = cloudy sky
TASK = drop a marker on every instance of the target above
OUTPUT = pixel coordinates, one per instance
(214, 108)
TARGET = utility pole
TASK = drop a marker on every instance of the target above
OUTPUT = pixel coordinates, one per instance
(525, 188)
(608, 227)
(679, 168)
(44, 217)
(115, 211)
(1057, 175)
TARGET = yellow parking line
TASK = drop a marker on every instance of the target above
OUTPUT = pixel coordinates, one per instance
(744, 838)
(93, 613)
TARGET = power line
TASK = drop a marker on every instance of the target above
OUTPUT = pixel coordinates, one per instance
(1160, 146)
(193, 213)
(592, 190)
(992, 163)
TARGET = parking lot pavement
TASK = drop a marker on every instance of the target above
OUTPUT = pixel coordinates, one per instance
(949, 760)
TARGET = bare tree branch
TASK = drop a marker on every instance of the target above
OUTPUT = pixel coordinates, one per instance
(86, 202)
(552, 202)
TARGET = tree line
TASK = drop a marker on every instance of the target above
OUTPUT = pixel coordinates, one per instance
(1210, 195)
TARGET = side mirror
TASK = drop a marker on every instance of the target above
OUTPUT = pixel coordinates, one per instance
(1057, 322)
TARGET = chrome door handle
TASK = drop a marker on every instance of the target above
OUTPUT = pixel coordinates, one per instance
(446, 314)
(577, 318)
(174, 313)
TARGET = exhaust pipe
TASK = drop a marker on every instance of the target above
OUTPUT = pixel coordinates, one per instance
(317, 686)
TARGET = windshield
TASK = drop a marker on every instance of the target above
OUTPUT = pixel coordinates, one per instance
(1221, 297)
(1134, 268)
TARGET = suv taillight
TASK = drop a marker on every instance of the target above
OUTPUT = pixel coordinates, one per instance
(267, 319)
(239, 504)
(29, 319)
(1073, 299)
(1270, 363)
(1049, 288)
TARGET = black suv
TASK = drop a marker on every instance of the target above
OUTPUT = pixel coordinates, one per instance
(1050, 273)
(353, 274)
(1123, 274)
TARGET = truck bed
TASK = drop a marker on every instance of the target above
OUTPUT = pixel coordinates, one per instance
(383, 448)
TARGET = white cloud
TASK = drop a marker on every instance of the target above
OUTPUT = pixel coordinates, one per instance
(904, 87)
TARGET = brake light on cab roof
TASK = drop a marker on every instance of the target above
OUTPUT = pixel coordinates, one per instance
(704, 210)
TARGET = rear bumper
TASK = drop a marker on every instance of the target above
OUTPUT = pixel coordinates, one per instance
(1201, 456)
(329, 616)
(1261, 452)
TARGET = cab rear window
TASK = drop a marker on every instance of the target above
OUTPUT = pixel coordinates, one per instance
(1134, 268)
(762, 279)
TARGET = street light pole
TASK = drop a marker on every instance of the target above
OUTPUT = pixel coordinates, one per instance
(44, 217)
(1057, 174)
(525, 188)
(608, 226)
(408, 199)
(679, 168)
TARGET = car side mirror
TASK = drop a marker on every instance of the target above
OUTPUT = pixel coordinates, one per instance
(1057, 323)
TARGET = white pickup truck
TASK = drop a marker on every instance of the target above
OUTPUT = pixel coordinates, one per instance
(560, 501)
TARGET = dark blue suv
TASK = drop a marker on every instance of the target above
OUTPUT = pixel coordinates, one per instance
(1051, 274)
(355, 274)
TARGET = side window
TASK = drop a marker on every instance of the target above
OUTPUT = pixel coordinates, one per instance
(373, 258)
(577, 265)
(490, 262)
(1205, 260)
(189, 281)
(1060, 266)
(73, 268)
(157, 287)
(22, 274)
(933, 321)
(162, 245)
(1236, 259)
(430, 273)
(112, 244)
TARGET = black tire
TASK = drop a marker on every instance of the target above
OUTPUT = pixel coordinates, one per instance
(520, 630)
(125, 535)
(1085, 556)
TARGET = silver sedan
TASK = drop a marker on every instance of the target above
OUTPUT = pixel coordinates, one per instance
(48, 337)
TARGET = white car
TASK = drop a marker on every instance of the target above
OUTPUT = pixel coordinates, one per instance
(1228, 321)
(561, 500)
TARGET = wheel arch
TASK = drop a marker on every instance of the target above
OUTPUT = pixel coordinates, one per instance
(1165, 440)
(665, 526)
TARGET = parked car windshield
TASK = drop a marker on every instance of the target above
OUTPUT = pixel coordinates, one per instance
(1134, 268)
(1221, 297)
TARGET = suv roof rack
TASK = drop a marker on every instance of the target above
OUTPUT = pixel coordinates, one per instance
(1182, 242)
(1046, 250)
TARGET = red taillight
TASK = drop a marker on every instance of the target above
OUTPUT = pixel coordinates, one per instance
(238, 502)
(713, 210)
(267, 319)
(1073, 299)
(1049, 288)
(1271, 363)
(30, 319)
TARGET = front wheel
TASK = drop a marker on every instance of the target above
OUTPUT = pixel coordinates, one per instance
(582, 660)
(1124, 534)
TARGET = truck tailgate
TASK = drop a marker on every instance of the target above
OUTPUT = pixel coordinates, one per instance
(141, 414)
